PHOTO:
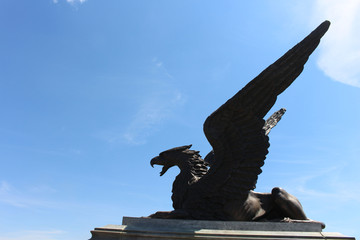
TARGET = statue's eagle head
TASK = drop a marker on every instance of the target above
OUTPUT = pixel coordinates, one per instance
(178, 156)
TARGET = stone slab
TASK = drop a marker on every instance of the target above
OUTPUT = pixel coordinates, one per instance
(161, 229)
(220, 225)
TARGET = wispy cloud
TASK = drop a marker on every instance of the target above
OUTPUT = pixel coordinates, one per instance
(340, 50)
(76, 1)
(153, 111)
(160, 67)
(71, 1)
(155, 106)
(336, 187)
(8, 196)
(34, 235)
(13, 197)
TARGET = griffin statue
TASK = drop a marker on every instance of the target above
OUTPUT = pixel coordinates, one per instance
(221, 187)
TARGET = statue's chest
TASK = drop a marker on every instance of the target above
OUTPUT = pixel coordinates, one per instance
(180, 187)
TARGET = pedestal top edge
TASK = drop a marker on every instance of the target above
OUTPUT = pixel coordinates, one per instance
(222, 225)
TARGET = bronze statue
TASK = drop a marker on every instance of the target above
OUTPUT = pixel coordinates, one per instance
(221, 187)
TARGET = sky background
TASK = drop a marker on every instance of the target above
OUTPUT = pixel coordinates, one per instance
(91, 90)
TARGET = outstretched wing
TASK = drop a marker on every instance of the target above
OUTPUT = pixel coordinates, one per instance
(235, 130)
(271, 122)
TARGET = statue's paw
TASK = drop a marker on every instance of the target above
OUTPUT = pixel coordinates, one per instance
(286, 219)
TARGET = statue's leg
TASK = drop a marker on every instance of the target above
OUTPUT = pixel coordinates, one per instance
(288, 204)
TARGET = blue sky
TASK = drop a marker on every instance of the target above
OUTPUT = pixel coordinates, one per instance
(91, 90)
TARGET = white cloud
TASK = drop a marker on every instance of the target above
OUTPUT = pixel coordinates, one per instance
(76, 1)
(157, 63)
(337, 188)
(13, 197)
(155, 107)
(153, 111)
(157, 102)
(339, 52)
(159, 66)
(8, 195)
(73, 2)
(33, 235)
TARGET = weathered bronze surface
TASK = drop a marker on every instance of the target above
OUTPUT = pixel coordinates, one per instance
(221, 186)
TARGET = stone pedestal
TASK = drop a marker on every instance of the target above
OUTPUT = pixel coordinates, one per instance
(154, 229)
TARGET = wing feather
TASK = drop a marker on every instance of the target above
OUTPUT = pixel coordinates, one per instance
(235, 131)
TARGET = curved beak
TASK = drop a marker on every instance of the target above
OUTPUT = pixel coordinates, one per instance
(160, 161)
(156, 160)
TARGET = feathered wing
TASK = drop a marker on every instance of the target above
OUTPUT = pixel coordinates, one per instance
(235, 131)
(271, 122)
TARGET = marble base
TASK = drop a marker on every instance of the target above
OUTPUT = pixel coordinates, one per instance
(145, 228)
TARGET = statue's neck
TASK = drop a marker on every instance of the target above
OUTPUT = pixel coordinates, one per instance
(185, 177)
(191, 168)
(180, 186)
(183, 180)
(184, 166)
